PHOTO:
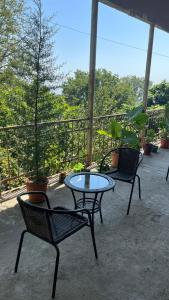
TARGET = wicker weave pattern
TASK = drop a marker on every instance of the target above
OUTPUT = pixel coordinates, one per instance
(51, 225)
(36, 220)
(63, 225)
(128, 160)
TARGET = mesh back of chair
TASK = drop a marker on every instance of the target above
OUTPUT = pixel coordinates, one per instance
(36, 220)
(128, 160)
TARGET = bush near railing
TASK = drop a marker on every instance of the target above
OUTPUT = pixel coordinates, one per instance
(102, 144)
(64, 144)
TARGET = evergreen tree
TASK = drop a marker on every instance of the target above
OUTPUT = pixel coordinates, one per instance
(37, 67)
(10, 25)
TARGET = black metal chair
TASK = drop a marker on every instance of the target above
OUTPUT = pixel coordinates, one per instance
(167, 174)
(52, 225)
(126, 171)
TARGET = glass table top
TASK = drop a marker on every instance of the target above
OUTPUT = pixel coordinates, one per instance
(89, 182)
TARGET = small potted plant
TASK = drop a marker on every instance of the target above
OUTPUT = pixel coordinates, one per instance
(164, 135)
(62, 176)
(164, 129)
(149, 138)
(115, 133)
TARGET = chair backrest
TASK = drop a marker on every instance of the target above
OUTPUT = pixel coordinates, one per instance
(128, 160)
(36, 219)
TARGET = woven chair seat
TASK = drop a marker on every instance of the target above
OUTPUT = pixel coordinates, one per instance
(120, 176)
(63, 225)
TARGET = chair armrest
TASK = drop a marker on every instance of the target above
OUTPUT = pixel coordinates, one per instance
(36, 193)
(63, 210)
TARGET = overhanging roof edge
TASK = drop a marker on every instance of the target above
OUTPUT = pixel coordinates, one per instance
(130, 13)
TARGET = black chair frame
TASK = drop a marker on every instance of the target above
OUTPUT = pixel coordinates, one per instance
(132, 176)
(167, 174)
(49, 213)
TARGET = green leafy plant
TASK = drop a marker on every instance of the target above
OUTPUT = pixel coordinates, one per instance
(164, 124)
(150, 136)
(78, 167)
(128, 131)
(115, 132)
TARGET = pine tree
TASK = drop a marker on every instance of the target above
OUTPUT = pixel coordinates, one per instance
(37, 67)
(10, 26)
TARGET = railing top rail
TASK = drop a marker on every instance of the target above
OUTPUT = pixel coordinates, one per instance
(42, 123)
(71, 120)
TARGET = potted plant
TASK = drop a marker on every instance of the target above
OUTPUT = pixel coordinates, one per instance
(164, 129)
(127, 133)
(115, 133)
(149, 138)
(164, 135)
(62, 176)
(39, 71)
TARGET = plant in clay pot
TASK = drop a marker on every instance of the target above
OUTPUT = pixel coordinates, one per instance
(39, 71)
(149, 138)
(127, 132)
(62, 176)
(115, 132)
(164, 129)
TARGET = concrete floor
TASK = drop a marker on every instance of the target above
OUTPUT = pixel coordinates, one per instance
(133, 250)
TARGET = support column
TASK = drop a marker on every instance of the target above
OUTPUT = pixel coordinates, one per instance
(148, 65)
(91, 83)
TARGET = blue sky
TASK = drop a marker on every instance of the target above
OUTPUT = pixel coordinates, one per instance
(72, 47)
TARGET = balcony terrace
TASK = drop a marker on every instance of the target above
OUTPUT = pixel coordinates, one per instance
(133, 250)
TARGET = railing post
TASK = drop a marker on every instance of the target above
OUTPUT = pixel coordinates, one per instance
(91, 83)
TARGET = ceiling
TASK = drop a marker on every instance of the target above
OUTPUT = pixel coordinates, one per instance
(150, 11)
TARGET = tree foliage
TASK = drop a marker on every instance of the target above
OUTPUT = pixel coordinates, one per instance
(10, 22)
(137, 85)
(159, 94)
(111, 93)
(38, 68)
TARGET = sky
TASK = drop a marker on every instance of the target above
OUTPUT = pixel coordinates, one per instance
(116, 32)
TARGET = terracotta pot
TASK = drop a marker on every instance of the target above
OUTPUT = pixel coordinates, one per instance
(62, 176)
(164, 143)
(115, 159)
(147, 148)
(32, 186)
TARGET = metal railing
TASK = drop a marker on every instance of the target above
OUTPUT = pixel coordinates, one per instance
(64, 145)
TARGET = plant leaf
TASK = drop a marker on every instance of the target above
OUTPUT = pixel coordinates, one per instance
(116, 129)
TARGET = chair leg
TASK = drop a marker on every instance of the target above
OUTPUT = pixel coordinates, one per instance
(56, 271)
(19, 250)
(128, 209)
(91, 225)
(100, 208)
(139, 186)
(93, 240)
(167, 174)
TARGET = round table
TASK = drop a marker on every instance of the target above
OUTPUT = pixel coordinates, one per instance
(89, 183)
